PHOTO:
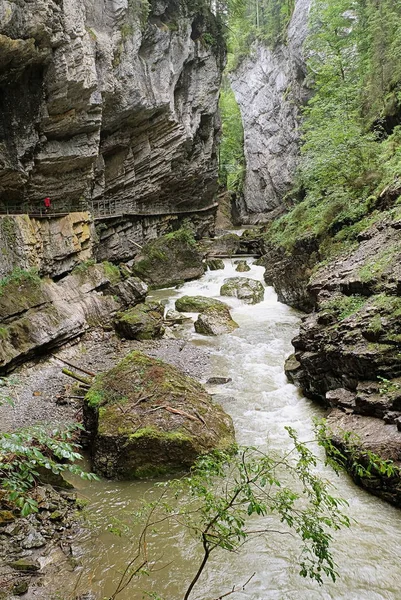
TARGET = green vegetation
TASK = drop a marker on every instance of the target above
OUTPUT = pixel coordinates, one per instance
(344, 306)
(223, 495)
(185, 235)
(27, 452)
(111, 271)
(231, 155)
(19, 277)
(83, 267)
(351, 151)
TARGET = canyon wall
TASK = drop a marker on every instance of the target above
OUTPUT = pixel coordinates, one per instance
(270, 88)
(109, 106)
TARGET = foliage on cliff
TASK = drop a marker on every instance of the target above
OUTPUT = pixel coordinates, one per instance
(351, 152)
(231, 156)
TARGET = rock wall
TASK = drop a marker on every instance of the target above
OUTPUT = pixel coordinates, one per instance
(270, 88)
(110, 105)
(51, 246)
(347, 354)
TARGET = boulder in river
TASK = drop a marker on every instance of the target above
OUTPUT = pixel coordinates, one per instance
(148, 418)
(142, 322)
(197, 303)
(242, 266)
(215, 320)
(169, 260)
(214, 264)
(248, 290)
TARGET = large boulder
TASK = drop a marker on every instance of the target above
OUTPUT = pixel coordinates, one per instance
(169, 260)
(147, 418)
(142, 322)
(248, 290)
(215, 320)
(197, 303)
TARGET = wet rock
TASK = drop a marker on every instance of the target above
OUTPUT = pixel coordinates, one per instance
(215, 320)
(146, 418)
(248, 290)
(169, 260)
(214, 264)
(175, 317)
(25, 565)
(224, 245)
(197, 304)
(142, 322)
(218, 380)
(242, 266)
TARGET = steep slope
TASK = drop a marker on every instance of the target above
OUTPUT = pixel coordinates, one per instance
(269, 86)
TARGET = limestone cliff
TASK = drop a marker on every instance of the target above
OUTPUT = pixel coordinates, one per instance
(269, 86)
(108, 105)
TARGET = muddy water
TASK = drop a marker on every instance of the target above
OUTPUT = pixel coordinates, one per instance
(261, 403)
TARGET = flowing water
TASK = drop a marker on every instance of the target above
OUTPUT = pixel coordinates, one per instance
(261, 402)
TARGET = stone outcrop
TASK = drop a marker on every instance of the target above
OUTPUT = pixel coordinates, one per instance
(215, 320)
(242, 266)
(109, 105)
(51, 246)
(269, 86)
(169, 260)
(347, 353)
(37, 314)
(197, 303)
(143, 322)
(248, 290)
(148, 418)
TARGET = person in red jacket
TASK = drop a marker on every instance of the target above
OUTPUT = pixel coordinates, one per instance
(48, 203)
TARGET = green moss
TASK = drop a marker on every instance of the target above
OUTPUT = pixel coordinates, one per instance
(184, 235)
(4, 333)
(376, 267)
(83, 267)
(94, 397)
(344, 306)
(153, 433)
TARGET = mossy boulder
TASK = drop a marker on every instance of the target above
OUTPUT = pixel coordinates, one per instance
(148, 418)
(215, 320)
(248, 290)
(142, 322)
(197, 304)
(169, 260)
(214, 264)
(242, 266)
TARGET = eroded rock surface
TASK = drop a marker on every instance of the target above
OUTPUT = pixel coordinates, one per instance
(147, 418)
(109, 104)
(270, 89)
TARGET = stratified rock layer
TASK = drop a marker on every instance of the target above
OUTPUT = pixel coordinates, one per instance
(269, 86)
(110, 105)
(147, 418)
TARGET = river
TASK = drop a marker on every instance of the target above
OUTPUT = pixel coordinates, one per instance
(261, 402)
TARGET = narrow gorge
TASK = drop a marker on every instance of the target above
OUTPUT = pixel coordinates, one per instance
(200, 274)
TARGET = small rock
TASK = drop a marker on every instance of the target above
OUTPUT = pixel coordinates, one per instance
(248, 290)
(21, 587)
(6, 516)
(26, 565)
(218, 380)
(242, 266)
(33, 540)
(214, 264)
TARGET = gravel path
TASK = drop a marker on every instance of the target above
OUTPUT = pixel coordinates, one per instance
(40, 392)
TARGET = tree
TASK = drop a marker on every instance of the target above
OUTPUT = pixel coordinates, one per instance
(218, 502)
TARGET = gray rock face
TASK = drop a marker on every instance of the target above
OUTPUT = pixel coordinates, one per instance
(270, 88)
(101, 104)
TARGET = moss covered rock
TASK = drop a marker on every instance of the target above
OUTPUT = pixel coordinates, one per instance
(215, 320)
(214, 264)
(148, 418)
(169, 260)
(248, 290)
(242, 266)
(142, 322)
(197, 303)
